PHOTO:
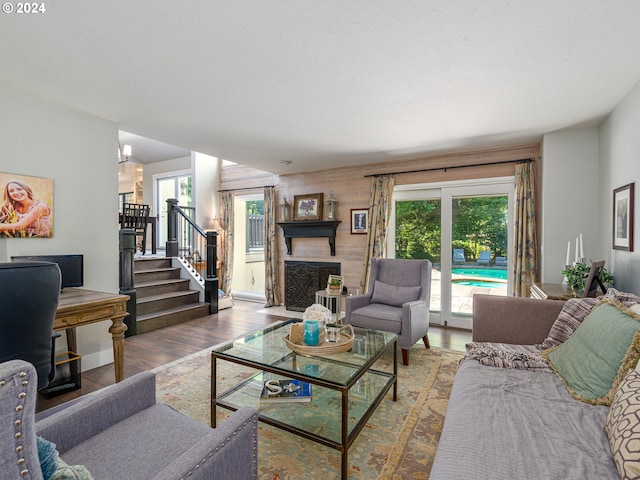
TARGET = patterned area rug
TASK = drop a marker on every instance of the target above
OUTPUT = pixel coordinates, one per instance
(398, 442)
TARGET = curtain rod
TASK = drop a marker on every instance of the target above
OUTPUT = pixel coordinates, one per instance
(522, 160)
(245, 188)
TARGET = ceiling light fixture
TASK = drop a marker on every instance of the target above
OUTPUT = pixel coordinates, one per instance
(285, 162)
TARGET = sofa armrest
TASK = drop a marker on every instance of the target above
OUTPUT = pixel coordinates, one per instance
(230, 451)
(515, 320)
(98, 411)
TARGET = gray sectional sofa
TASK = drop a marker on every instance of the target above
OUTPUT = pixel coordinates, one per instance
(509, 423)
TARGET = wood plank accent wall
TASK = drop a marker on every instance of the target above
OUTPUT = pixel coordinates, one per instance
(351, 188)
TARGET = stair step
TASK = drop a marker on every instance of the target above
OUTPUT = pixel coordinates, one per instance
(157, 287)
(163, 298)
(150, 263)
(171, 316)
(146, 276)
(154, 303)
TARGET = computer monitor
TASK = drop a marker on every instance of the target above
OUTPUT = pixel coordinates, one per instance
(71, 266)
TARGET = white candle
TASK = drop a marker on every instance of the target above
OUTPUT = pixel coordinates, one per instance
(581, 250)
(568, 252)
(577, 246)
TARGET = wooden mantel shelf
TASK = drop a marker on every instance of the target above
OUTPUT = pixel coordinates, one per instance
(309, 229)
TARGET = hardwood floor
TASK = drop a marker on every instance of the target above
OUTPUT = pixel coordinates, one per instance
(158, 347)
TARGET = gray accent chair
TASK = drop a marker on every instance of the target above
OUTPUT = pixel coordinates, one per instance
(121, 432)
(397, 300)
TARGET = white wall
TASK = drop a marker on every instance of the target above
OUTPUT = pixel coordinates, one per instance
(206, 180)
(619, 164)
(79, 153)
(569, 198)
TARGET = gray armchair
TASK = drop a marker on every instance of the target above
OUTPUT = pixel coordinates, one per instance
(121, 432)
(397, 301)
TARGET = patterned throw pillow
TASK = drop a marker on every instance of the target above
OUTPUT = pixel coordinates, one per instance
(577, 309)
(623, 427)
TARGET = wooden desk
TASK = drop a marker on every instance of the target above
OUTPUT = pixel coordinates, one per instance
(551, 291)
(78, 307)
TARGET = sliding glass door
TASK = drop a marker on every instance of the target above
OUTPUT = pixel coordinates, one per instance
(464, 228)
(179, 186)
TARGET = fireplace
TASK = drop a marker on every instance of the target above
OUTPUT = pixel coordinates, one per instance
(303, 279)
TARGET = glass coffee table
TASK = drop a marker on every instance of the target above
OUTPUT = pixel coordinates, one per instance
(346, 387)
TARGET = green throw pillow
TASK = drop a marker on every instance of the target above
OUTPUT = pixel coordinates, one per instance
(71, 472)
(595, 358)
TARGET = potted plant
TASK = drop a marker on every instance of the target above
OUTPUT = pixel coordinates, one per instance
(334, 285)
(576, 276)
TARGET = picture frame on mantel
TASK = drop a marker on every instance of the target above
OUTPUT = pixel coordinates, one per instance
(308, 207)
(623, 217)
(359, 220)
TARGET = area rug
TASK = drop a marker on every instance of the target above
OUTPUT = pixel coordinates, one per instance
(398, 442)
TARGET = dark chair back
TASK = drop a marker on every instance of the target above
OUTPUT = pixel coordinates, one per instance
(28, 307)
(135, 217)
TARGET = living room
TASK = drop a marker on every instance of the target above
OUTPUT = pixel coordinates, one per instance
(49, 135)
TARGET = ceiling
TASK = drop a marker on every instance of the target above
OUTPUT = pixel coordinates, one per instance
(326, 83)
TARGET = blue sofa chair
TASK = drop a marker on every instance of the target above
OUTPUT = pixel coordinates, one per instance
(120, 432)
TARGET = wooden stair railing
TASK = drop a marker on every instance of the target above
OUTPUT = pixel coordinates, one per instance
(187, 240)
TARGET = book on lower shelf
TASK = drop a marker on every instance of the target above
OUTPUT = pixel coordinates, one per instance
(285, 390)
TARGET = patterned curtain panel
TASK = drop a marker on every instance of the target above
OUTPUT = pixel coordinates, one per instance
(271, 278)
(379, 212)
(526, 243)
(226, 242)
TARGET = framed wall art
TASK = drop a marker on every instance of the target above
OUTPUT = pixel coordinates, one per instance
(307, 207)
(26, 206)
(359, 220)
(623, 217)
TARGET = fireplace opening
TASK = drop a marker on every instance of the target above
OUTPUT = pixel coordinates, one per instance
(303, 279)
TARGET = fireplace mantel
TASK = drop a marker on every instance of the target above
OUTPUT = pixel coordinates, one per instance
(309, 229)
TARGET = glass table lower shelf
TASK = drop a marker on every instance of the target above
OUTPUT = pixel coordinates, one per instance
(346, 387)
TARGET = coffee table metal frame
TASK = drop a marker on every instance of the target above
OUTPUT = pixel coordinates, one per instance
(276, 367)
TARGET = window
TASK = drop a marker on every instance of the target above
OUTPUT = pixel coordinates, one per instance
(255, 226)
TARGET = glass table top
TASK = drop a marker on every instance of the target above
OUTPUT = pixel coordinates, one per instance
(266, 349)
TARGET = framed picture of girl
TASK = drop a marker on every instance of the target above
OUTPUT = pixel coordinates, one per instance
(26, 206)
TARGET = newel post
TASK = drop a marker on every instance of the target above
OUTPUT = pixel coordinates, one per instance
(172, 228)
(211, 276)
(127, 248)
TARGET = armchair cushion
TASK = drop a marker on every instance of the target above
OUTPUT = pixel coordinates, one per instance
(378, 317)
(146, 442)
(393, 294)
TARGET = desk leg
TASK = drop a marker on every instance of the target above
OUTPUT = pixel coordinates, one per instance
(72, 345)
(117, 330)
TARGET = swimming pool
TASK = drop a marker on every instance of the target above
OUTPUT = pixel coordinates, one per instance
(479, 283)
(490, 273)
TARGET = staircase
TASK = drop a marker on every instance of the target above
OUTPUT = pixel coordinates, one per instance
(163, 298)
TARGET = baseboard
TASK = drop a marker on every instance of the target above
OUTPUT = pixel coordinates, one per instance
(97, 359)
